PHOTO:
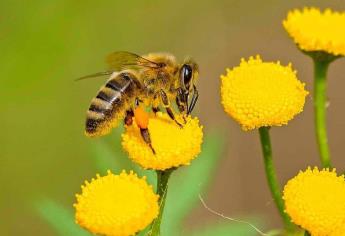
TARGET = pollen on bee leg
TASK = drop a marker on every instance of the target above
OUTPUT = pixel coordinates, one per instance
(142, 121)
(141, 117)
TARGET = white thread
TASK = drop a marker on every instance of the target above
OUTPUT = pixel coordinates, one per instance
(229, 218)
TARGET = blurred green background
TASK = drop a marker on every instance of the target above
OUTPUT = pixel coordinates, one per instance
(45, 45)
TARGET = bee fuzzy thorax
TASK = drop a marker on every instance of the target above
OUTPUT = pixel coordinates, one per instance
(164, 57)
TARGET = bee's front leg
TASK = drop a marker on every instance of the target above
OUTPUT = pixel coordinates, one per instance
(194, 100)
(168, 109)
(182, 103)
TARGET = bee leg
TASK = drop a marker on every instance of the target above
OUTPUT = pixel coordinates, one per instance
(181, 104)
(146, 136)
(142, 120)
(182, 108)
(137, 102)
(166, 104)
(193, 101)
(155, 109)
(155, 104)
(129, 117)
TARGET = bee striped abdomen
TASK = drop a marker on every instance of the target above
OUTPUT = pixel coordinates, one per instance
(110, 104)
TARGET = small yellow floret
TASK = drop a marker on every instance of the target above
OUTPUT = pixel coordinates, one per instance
(174, 146)
(258, 93)
(315, 200)
(313, 30)
(116, 205)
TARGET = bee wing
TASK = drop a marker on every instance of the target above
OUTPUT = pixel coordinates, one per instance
(118, 61)
(103, 73)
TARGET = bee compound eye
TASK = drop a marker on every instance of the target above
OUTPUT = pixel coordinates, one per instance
(186, 73)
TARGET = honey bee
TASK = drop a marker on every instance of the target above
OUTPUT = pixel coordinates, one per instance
(153, 80)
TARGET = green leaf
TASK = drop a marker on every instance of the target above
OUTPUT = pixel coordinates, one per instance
(61, 219)
(186, 184)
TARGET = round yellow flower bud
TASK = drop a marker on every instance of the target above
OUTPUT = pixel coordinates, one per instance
(116, 205)
(258, 93)
(313, 30)
(174, 146)
(315, 200)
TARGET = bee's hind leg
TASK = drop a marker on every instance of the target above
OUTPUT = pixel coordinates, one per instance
(142, 121)
(146, 136)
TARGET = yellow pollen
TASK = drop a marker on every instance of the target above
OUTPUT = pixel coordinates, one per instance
(116, 205)
(313, 30)
(174, 146)
(315, 200)
(258, 93)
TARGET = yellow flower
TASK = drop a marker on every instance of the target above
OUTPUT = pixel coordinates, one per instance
(174, 146)
(258, 93)
(313, 30)
(339, 231)
(315, 200)
(116, 205)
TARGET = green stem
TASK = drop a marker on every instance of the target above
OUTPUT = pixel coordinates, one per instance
(320, 84)
(162, 190)
(306, 233)
(271, 176)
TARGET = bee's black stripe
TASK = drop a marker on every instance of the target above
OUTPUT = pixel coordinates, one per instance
(96, 108)
(114, 85)
(103, 96)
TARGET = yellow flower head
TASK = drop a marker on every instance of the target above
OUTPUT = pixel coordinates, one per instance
(116, 205)
(313, 30)
(174, 146)
(258, 93)
(315, 200)
(339, 231)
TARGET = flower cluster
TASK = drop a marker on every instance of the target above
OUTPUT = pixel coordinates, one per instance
(258, 93)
